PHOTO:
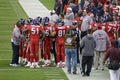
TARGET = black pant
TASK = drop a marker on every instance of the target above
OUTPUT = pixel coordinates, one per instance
(87, 61)
(15, 55)
(83, 33)
(54, 51)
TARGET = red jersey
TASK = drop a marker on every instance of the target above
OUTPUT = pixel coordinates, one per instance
(76, 2)
(102, 1)
(119, 10)
(65, 8)
(47, 29)
(78, 19)
(119, 30)
(106, 6)
(34, 31)
(93, 25)
(114, 9)
(110, 29)
(60, 32)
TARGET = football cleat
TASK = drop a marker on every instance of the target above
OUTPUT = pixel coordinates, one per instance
(63, 64)
(48, 64)
(44, 65)
(33, 65)
(28, 64)
(58, 64)
(37, 66)
(14, 65)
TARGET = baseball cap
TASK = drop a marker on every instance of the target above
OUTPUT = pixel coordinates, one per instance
(53, 11)
(69, 8)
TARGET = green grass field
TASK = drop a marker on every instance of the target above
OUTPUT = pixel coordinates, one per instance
(48, 3)
(10, 12)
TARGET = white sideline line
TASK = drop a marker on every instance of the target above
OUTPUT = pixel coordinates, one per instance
(34, 8)
(66, 74)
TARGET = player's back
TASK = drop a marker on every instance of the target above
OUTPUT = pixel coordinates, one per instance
(60, 32)
(110, 29)
(35, 31)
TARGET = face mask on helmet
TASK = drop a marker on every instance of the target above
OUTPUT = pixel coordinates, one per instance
(45, 21)
(30, 21)
(61, 23)
(35, 22)
(22, 21)
(38, 20)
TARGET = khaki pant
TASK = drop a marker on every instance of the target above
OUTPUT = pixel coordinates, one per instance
(98, 59)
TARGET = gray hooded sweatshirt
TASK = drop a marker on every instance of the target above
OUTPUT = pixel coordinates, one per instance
(101, 39)
(88, 45)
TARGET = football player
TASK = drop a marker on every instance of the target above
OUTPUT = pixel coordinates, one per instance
(59, 33)
(34, 34)
(47, 42)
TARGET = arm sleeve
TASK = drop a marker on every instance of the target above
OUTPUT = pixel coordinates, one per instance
(82, 43)
(108, 41)
(69, 16)
(106, 56)
(17, 33)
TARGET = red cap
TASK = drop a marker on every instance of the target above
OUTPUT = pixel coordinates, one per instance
(99, 26)
(92, 2)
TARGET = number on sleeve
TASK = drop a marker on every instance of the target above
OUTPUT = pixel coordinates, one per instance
(114, 29)
(109, 28)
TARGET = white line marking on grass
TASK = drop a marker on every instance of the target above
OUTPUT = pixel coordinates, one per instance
(5, 50)
(58, 76)
(5, 59)
(46, 72)
(5, 36)
(55, 79)
(4, 31)
(53, 74)
(19, 69)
